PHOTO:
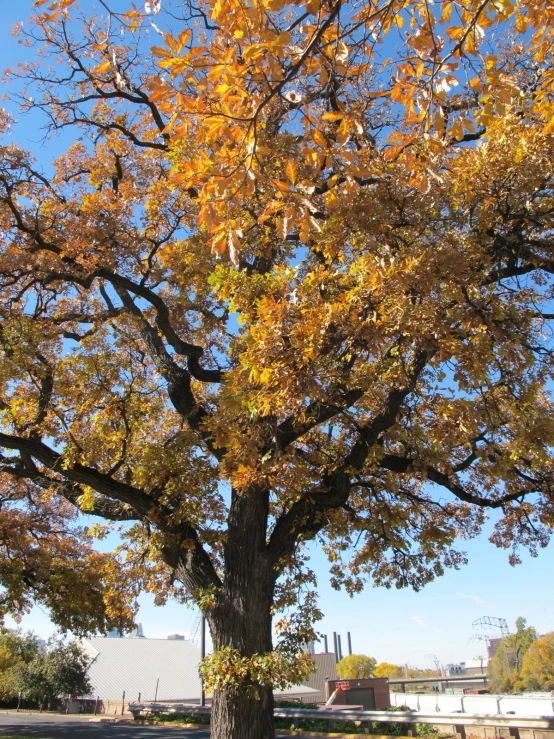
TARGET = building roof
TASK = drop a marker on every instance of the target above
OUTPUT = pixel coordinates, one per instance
(471, 664)
(132, 665)
(295, 691)
(325, 669)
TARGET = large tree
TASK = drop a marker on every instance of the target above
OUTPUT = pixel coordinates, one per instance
(356, 666)
(57, 671)
(505, 667)
(16, 651)
(289, 285)
(537, 671)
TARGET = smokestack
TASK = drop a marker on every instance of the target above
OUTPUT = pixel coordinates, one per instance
(349, 642)
(336, 646)
(326, 649)
(340, 648)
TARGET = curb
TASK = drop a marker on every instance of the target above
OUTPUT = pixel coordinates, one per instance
(340, 735)
(278, 732)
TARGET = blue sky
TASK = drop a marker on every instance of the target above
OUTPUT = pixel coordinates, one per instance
(397, 626)
(401, 626)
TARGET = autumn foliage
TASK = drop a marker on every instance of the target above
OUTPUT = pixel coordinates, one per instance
(289, 282)
(537, 671)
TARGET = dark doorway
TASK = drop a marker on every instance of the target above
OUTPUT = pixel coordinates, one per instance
(361, 697)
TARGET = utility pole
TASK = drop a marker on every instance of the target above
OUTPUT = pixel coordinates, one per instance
(202, 655)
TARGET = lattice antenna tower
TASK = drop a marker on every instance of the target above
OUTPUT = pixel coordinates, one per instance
(481, 637)
(492, 622)
(195, 631)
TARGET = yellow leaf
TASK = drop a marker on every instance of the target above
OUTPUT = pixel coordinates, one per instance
(184, 36)
(521, 23)
(446, 11)
(172, 43)
(284, 187)
(455, 32)
(319, 138)
(342, 52)
(101, 68)
(549, 128)
(333, 116)
(291, 170)
(219, 243)
(160, 51)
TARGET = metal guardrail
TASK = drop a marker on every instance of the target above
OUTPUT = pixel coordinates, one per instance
(439, 679)
(410, 718)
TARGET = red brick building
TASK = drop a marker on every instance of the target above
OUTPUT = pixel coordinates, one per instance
(372, 693)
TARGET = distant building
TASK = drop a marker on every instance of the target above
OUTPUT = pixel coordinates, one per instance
(140, 666)
(165, 670)
(136, 633)
(372, 693)
(493, 645)
(476, 666)
(455, 670)
(325, 669)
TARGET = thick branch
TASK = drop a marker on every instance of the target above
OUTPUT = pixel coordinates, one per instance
(192, 560)
(403, 465)
(80, 474)
(306, 517)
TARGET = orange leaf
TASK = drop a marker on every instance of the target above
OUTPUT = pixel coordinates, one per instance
(101, 68)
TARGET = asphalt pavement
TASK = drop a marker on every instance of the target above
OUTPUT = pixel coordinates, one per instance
(48, 726)
(44, 726)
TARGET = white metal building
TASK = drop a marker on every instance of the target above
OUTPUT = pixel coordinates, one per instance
(136, 666)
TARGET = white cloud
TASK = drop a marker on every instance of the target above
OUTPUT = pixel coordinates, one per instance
(421, 623)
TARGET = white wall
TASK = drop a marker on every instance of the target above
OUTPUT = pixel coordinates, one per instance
(486, 705)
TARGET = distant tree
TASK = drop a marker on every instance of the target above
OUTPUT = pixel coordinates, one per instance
(356, 666)
(537, 670)
(386, 669)
(16, 650)
(505, 667)
(59, 671)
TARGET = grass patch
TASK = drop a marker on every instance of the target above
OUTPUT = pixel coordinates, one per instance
(178, 718)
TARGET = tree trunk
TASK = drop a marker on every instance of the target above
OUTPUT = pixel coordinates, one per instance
(236, 716)
(241, 619)
(244, 623)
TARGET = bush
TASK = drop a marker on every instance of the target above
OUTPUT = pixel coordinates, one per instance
(389, 728)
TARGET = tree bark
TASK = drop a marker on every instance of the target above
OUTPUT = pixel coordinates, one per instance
(244, 623)
(236, 716)
(241, 618)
